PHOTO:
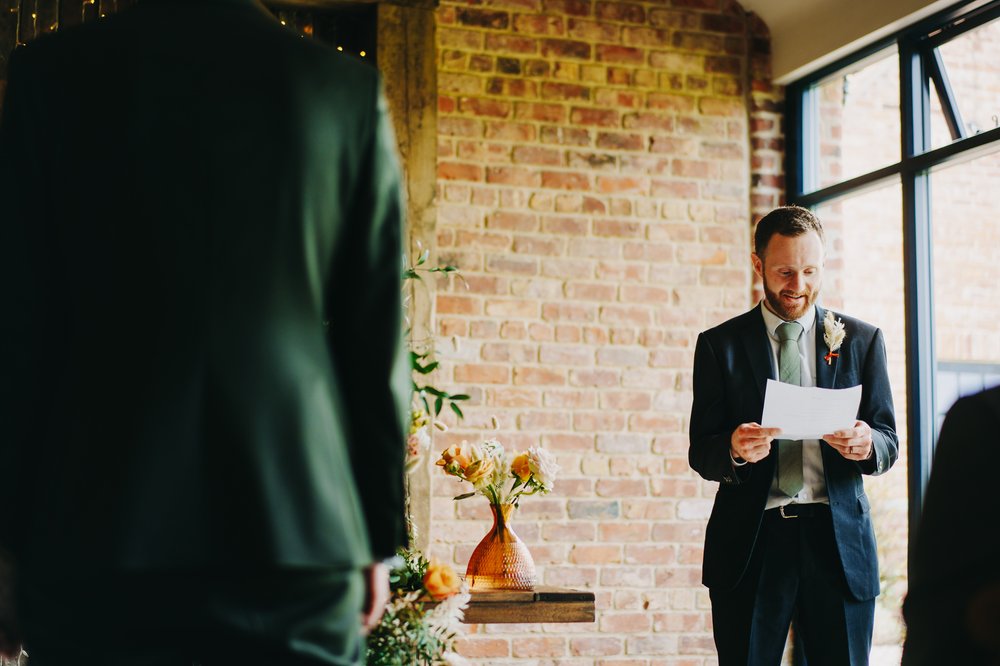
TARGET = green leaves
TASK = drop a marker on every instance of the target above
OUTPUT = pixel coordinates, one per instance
(429, 395)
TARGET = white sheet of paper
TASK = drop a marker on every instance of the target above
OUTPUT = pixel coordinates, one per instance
(804, 412)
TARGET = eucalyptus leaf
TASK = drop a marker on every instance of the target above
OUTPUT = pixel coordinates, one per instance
(464, 496)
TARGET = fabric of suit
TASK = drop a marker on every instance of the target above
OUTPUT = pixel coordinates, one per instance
(202, 353)
(952, 607)
(733, 362)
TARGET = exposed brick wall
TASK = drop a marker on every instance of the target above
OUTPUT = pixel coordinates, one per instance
(595, 188)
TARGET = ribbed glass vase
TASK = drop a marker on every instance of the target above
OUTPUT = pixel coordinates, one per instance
(501, 561)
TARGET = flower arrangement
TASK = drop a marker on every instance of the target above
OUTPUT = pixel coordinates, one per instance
(423, 618)
(833, 334)
(496, 477)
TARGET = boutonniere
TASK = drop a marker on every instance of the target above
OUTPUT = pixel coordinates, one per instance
(833, 335)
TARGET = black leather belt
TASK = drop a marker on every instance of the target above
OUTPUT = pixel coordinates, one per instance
(813, 510)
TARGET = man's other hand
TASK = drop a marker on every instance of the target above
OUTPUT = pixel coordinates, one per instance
(752, 442)
(852, 443)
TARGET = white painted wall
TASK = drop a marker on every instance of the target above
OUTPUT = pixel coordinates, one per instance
(808, 34)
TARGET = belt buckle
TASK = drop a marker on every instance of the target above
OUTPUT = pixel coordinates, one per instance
(781, 510)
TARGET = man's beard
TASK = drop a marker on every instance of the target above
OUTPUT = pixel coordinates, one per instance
(796, 311)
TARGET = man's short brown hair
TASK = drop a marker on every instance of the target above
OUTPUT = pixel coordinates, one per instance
(787, 221)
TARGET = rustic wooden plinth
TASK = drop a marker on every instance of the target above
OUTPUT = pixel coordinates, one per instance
(543, 604)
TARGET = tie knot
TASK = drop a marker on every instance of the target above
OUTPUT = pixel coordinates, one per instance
(790, 330)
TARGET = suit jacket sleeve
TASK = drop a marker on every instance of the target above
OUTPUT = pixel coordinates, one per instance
(877, 409)
(710, 429)
(367, 336)
(24, 292)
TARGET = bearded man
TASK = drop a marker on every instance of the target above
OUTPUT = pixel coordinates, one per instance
(790, 536)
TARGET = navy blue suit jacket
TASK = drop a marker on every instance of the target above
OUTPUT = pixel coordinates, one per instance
(732, 364)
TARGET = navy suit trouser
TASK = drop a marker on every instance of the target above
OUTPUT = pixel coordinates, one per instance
(795, 574)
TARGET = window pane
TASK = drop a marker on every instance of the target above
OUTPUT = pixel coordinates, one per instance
(971, 63)
(857, 121)
(965, 201)
(864, 278)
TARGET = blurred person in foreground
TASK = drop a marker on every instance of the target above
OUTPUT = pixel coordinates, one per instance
(952, 606)
(790, 536)
(203, 386)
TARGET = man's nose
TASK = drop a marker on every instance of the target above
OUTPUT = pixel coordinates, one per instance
(797, 282)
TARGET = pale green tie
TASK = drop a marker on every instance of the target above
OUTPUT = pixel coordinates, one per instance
(789, 372)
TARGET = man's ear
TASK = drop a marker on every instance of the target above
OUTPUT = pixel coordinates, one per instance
(758, 265)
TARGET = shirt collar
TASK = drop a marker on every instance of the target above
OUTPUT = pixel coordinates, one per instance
(773, 321)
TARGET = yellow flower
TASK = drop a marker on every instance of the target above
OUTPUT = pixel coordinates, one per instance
(521, 467)
(441, 581)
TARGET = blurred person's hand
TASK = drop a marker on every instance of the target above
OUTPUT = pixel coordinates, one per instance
(376, 595)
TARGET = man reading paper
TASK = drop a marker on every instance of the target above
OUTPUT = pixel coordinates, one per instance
(790, 534)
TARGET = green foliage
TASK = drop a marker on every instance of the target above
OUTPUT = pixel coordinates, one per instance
(433, 399)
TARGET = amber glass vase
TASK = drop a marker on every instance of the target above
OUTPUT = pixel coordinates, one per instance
(501, 561)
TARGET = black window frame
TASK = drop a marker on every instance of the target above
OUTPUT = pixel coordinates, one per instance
(919, 65)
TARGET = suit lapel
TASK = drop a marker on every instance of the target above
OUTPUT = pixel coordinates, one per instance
(758, 349)
(826, 373)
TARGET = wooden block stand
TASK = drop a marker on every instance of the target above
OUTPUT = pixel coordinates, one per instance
(543, 604)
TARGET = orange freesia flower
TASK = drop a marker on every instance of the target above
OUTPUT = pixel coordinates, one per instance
(454, 454)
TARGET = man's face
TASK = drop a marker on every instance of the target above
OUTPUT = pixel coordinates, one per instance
(792, 271)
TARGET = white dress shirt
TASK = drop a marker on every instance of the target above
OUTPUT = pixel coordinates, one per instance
(813, 478)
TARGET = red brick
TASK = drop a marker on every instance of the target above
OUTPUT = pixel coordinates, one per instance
(459, 171)
(567, 136)
(481, 18)
(614, 185)
(653, 37)
(625, 623)
(621, 11)
(539, 24)
(600, 117)
(462, 39)
(536, 155)
(447, 304)
(620, 54)
(591, 292)
(720, 106)
(503, 219)
(479, 106)
(539, 377)
(507, 131)
(550, 113)
(474, 647)
(565, 180)
(602, 554)
(669, 102)
(648, 121)
(482, 374)
(564, 91)
(593, 31)
(571, 532)
(694, 41)
(617, 141)
(570, 7)
(509, 43)
(518, 176)
(566, 48)
(618, 228)
(460, 127)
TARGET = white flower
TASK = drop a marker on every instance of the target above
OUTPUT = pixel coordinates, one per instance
(543, 467)
(833, 331)
(833, 335)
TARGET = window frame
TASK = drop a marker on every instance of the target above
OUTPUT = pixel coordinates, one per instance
(919, 65)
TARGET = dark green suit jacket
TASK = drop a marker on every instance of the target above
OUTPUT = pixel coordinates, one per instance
(200, 249)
